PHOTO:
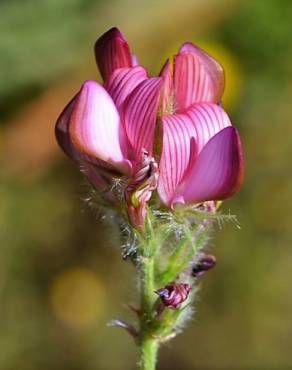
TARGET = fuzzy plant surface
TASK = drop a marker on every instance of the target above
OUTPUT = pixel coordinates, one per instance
(161, 154)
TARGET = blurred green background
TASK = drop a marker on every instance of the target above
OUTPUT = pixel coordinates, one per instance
(61, 275)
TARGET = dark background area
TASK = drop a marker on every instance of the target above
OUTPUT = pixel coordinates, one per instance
(61, 275)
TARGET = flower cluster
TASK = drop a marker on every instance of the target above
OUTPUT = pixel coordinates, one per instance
(167, 132)
(165, 140)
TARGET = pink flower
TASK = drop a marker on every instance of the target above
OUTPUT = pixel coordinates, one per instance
(108, 128)
(105, 128)
(201, 155)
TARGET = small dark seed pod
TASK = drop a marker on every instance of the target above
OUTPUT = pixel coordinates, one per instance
(203, 262)
(172, 295)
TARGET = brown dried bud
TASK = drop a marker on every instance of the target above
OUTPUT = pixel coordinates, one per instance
(174, 294)
(203, 262)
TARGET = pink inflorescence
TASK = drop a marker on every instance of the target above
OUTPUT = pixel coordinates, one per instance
(106, 127)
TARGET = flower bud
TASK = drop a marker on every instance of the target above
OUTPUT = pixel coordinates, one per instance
(172, 295)
(140, 188)
(203, 263)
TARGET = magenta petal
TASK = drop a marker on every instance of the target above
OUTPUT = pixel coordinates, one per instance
(95, 127)
(123, 81)
(140, 114)
(207, 120)
(63, 136)
(184, 136)
(112, 52)
(217, 173)
(197, 77)
(178, 130)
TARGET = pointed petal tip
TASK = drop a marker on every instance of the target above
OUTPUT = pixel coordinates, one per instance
(88, 84)
(187, 47)
(111, 52)
(165, 67)
(114, 32)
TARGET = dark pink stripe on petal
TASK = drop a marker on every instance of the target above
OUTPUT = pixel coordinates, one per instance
(214, 69)
(197, 77)
(140, 114)
(123, 81)
(217, 173)
(198, 124)
(112, 52)
(208, 119)
(178, 130)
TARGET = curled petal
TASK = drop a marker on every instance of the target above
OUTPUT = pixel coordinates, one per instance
(63, 136)
(139, 189)
(174, 294)
(197, 77)
(95, 127)
(123, 81)
(217, 173)
(200, 123)
(140, 114)
(62, 131)
(112, 52)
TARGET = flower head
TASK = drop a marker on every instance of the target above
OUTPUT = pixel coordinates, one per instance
(106, 127)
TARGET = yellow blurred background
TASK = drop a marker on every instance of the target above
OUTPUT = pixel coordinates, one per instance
(61, 275)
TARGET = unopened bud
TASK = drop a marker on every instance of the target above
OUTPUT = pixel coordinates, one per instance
(203, 262)
(140, 188)
(173, 295)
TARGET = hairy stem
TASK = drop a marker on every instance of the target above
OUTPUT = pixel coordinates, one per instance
(148, 353)
(148, 345)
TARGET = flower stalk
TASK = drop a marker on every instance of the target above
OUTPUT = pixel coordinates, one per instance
(165, 281)
(162, 154)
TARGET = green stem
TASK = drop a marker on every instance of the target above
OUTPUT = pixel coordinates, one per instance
(147, 287)
(148, 345)
(148, 353)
